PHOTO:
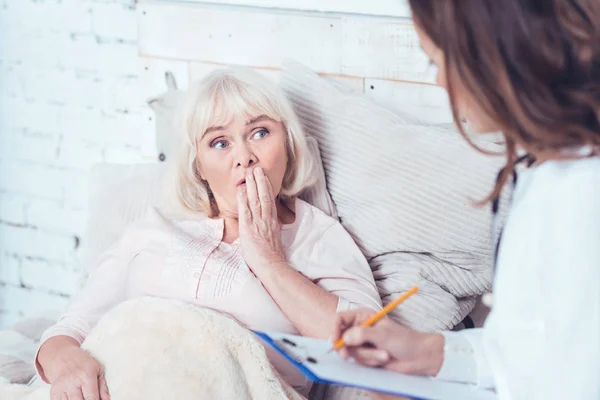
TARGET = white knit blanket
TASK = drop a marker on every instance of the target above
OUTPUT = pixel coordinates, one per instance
(156, 349)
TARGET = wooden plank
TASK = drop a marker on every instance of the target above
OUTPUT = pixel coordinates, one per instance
(260, 39)
(356, 47)
(427, 102)
(198, 70)
(384, 50)
(388, 8)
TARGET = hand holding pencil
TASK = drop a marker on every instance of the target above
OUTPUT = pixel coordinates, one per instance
(371, 339)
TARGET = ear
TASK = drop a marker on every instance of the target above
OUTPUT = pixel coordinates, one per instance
(170, 79)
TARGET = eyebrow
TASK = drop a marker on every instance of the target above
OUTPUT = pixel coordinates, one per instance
(250, 122)
(258, 119)
(213, 129)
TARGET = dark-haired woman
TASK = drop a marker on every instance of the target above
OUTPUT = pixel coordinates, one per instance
(530, 69)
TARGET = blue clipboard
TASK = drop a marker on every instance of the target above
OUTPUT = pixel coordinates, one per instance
(311, 357)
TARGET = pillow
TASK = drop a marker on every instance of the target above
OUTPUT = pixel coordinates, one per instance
(119, 194)
(402, 187)
(317, 195)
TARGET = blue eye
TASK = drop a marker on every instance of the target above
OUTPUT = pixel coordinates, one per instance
(260, 134)
(219, 144)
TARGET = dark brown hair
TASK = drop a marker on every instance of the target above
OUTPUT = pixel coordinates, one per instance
(532, 66)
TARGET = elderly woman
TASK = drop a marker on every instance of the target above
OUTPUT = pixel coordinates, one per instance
(237, 239)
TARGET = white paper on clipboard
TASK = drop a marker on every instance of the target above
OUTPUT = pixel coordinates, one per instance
(331, 368)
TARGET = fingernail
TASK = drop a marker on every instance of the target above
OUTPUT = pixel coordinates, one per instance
(350, 337)
(259, 171)
(382, 356)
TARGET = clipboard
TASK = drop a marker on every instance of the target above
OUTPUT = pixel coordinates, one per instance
(311, 357)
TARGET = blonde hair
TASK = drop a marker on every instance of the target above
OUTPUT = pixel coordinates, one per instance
(215, 101)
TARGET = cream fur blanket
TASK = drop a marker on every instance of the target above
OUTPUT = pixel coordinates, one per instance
(156, 349)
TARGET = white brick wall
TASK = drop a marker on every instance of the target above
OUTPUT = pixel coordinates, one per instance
(70, 96)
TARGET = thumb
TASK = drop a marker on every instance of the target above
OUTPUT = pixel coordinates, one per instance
(360, 336)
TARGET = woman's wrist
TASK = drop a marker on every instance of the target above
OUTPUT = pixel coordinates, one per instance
(432, 351)
(50, 352)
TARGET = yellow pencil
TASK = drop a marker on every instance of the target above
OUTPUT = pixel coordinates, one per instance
(340, 343)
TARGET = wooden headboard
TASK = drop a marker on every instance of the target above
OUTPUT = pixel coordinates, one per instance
(370, 45)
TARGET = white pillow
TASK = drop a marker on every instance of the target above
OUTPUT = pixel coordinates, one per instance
(401, 186)
(386, 170)
(119, 195)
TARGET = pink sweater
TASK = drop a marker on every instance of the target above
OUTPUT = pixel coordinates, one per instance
(187, 260)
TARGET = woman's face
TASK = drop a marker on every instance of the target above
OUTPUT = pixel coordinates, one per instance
(467, 105)
(226, 153)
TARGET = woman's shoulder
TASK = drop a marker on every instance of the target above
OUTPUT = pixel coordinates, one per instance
(569, 182)
(309, 217)
(560, 231)
(159, 222)
(561, 196)
(314, 228)
(569, 170)
(322, 238)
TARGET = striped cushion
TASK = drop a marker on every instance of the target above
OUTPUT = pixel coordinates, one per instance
(402, 186)
(317, 195)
